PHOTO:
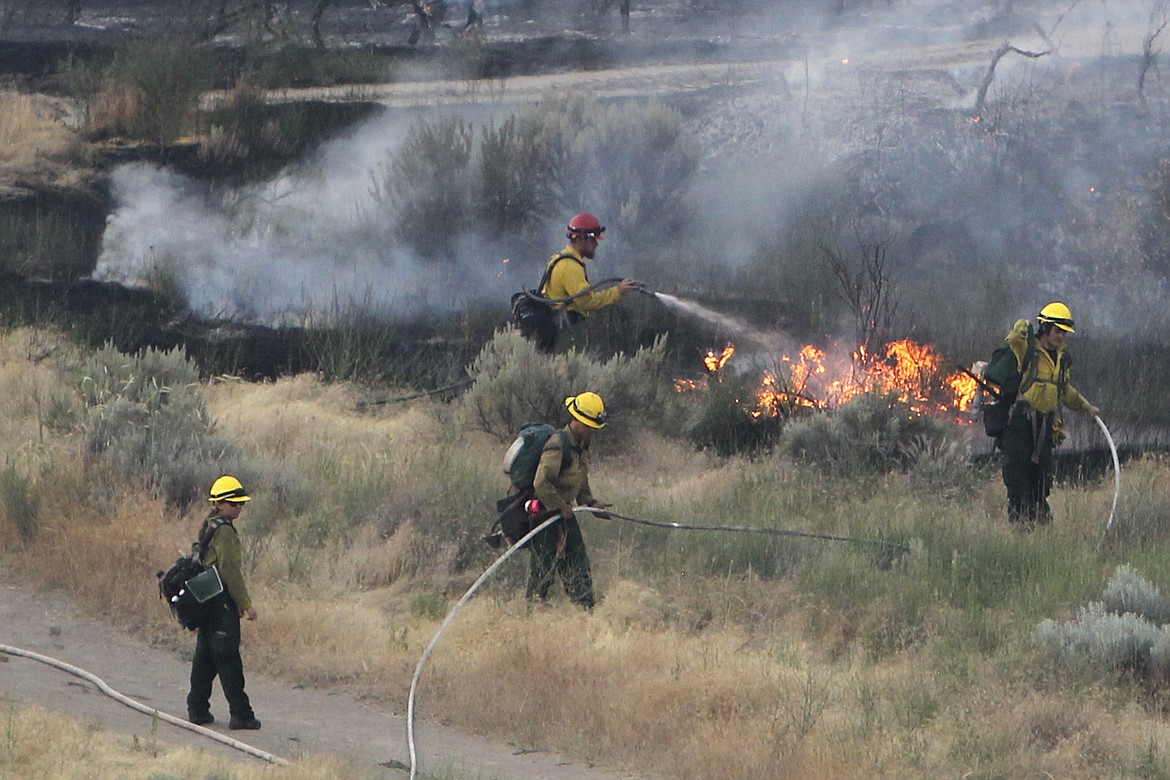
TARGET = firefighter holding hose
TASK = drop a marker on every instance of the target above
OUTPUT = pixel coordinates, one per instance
(1041, 366)
(560, 484)
(567, 278)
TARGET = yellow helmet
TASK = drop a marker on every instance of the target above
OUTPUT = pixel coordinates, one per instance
(228, 488)
(587, 408)
(1059, 315)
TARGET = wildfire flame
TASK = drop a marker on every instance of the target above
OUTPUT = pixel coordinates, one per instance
(916, 374)
(715, 362)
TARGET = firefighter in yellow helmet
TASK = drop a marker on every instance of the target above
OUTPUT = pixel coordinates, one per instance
(560, 485)
(1041, 366)
(566, 276)
(217, 648)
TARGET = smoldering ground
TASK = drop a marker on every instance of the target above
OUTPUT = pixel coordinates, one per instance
(866, 135)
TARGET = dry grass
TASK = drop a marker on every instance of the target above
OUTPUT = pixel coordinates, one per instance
(39, 744)
(36, 145)
(674, 674)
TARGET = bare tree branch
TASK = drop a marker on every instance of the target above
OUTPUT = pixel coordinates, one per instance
(1006, 48)
(1149, 55)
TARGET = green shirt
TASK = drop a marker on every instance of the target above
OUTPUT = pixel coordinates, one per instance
(558, 487)
(227, 554)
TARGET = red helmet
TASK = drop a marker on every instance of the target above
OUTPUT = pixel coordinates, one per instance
(585, 224)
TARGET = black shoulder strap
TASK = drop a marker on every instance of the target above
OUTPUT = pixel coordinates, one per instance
(209, 534)
(564, 448)
(549, 269)
(1029, 367)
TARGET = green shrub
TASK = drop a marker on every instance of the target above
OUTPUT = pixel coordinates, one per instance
(20, 501)
(515, 384)
(539, 164)
(352, 343)
(1129, 592)
(520, 167)
(146, 416)
(1124, 632)
(870, 434)
(153, 88)
(430, 182)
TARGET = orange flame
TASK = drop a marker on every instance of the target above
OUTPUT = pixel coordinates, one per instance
(915, 373)
(715, 362)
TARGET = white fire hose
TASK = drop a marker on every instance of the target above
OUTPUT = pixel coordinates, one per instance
(447, 621)
(1116, 474)
(132, 704)
(605, 513)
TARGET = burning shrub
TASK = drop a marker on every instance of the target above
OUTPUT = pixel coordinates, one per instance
(872, 433)
(722, 424)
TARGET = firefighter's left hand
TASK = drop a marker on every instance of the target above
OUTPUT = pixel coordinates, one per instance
(627, 286)
(601, 505)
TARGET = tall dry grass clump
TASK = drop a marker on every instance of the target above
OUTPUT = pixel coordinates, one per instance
(35, 142)
(41, 744)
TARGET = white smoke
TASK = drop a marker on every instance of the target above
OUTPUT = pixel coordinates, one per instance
(312, 241)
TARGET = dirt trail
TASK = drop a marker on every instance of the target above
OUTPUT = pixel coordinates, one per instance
(297, 722)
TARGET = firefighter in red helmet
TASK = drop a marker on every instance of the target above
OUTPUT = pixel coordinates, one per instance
(567, 276)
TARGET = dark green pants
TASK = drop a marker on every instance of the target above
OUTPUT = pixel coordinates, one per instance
(1027, 469)
(572, 566)
(217, 653)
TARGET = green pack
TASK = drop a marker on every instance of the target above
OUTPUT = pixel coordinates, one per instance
(523, 455)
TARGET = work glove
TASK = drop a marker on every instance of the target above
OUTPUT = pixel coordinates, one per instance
(1058, 433)
(1019, 330)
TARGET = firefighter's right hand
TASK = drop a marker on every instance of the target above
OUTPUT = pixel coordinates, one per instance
(1020, 330)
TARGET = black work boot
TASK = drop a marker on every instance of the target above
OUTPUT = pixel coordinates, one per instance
(200, 718)
(244, 724)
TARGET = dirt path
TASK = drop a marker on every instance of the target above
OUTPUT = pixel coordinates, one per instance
(296, 722)
(603, 83)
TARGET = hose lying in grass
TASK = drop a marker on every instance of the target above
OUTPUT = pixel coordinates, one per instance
(896, 546)
(132, 704)
(447, 621)
(604, 513)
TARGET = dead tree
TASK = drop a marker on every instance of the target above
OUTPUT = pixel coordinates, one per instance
(318, 12)
(867, 290)
(1149, 56)
(1006, 48)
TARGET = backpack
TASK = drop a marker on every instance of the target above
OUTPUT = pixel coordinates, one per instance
(520, 461)
(190, 601)
(535, 319)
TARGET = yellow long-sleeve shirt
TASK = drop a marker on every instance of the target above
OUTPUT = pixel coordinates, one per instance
(1045, 392)
(568, 277)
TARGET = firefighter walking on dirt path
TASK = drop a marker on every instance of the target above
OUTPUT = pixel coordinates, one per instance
(1034, 427)
(560, 548)
(217, 649)
(567, 277)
